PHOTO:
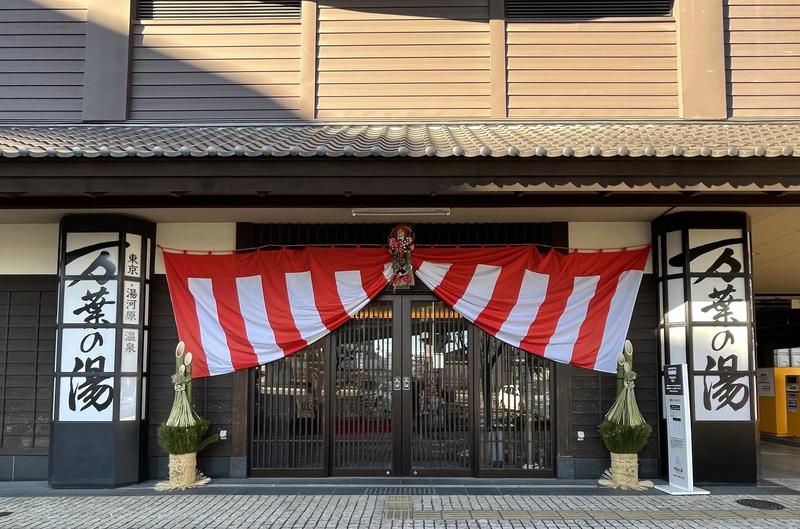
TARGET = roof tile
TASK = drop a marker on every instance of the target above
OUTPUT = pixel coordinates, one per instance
(415, 140)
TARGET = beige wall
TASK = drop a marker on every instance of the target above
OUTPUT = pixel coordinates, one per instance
(28, 249)
(194, 236)
(383, 58)
(42, 49)
(764, 62)
(215, 70)
(607, 68)
(387, 59)
(610, 235)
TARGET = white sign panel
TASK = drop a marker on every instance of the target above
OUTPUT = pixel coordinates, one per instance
(96, 347)
(722, 397)
(721, 348)
(88, 348)
(765, 381)
(679, 432)
(88, 398)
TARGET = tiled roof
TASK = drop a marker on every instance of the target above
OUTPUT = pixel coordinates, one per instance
(388, 140)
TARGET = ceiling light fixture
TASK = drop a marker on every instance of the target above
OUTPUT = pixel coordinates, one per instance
(400, 212)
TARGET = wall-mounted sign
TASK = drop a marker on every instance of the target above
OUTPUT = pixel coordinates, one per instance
(765, 382)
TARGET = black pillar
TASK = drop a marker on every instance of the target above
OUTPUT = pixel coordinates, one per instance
(703, 268)
(105, 267)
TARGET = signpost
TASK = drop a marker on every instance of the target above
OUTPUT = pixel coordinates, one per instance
(679, 432)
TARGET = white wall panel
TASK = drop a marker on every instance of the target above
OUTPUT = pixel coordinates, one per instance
(214, 236)
(610, 235)
(28, 249)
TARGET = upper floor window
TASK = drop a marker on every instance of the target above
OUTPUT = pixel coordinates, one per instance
(200, 9)
(583, 9)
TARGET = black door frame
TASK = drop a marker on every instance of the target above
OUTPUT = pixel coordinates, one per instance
(402, 406)
(405, 458)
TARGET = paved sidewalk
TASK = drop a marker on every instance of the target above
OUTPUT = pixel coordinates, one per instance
(223, 505)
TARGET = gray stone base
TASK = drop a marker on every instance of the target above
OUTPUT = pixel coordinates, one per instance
(23, 468)
(237, 467)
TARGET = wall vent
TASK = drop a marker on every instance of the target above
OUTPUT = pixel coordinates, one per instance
(210, 9)
(585, 9)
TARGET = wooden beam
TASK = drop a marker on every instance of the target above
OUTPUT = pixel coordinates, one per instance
(107, 63)
(701, 59)
(308, 60)
(497, 62)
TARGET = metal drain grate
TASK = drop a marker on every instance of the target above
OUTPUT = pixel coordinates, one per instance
(398, 508)
(399, 491)
(761, 504)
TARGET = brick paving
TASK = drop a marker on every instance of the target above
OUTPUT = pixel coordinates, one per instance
(83, 510)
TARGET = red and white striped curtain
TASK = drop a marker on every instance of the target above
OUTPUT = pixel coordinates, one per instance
(240, 310)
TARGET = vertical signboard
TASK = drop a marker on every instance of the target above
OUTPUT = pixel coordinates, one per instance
(705, 308)
(679, 433)
(101, 350)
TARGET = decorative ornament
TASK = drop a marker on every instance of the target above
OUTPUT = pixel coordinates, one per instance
(184, 432)
(401, 244)
(624, 430)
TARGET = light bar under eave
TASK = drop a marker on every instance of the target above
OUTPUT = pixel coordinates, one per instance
(403, 212)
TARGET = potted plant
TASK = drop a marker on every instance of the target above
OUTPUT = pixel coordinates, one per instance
(624, 430)
(184, 432)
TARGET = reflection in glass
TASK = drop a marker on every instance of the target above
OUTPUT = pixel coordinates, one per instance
(362, 437)
(440, 387)
(515, 414)
(288, 411)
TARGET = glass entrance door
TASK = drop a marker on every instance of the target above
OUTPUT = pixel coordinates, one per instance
(405, 388)
(401, 390)
(435, 357)
(365, 359)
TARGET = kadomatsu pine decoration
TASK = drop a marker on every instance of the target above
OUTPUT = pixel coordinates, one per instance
(624, 430)
(184, 432)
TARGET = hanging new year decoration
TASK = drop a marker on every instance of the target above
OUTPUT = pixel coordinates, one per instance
(242, 310)
(401, 244)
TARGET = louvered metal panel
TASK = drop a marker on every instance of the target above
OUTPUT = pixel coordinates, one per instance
(288, 412)
(440, 411)
(362, 397)
(208, 9)
(581, 9)
(516, 413)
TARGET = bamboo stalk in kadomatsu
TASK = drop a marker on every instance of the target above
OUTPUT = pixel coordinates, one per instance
(182, 413)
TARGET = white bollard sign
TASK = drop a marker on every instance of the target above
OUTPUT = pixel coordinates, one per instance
(679, 432)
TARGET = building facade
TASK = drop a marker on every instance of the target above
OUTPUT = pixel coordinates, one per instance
(240, 124)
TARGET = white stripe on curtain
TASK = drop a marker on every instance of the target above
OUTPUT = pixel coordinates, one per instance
(531, 295)
(619, 317)
(351, 291)
(479, 291)
(562, 342)
(212, 336)
(256, 319)
(303, 306)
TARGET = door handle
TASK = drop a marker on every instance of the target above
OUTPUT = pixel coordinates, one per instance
(396, 384)
(406, 383)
